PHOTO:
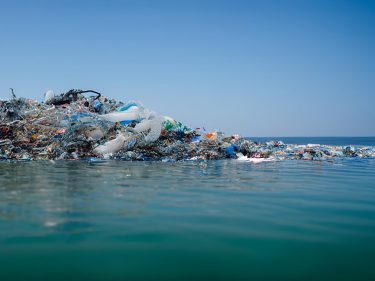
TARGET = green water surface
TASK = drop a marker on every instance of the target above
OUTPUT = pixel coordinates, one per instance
(219, 220)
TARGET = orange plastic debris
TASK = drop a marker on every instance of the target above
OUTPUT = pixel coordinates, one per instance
(211, 136)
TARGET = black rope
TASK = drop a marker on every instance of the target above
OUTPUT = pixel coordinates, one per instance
(13, 94)
(75, 93)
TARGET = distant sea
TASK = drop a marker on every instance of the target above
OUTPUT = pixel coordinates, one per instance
(214, 220)
(340, 141)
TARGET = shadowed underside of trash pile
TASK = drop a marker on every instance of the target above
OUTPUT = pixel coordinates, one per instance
(75, 125)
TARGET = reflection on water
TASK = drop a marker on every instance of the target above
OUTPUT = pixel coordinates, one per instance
(230, 219)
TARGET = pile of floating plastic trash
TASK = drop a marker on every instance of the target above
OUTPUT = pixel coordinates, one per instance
(75, 125)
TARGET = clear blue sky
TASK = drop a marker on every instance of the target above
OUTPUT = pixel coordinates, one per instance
(259, 68)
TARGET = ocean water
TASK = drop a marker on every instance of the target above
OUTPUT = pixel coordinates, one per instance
(339, 141)
(216, 220)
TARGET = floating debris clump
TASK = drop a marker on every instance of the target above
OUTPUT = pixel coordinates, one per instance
(76, 125)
